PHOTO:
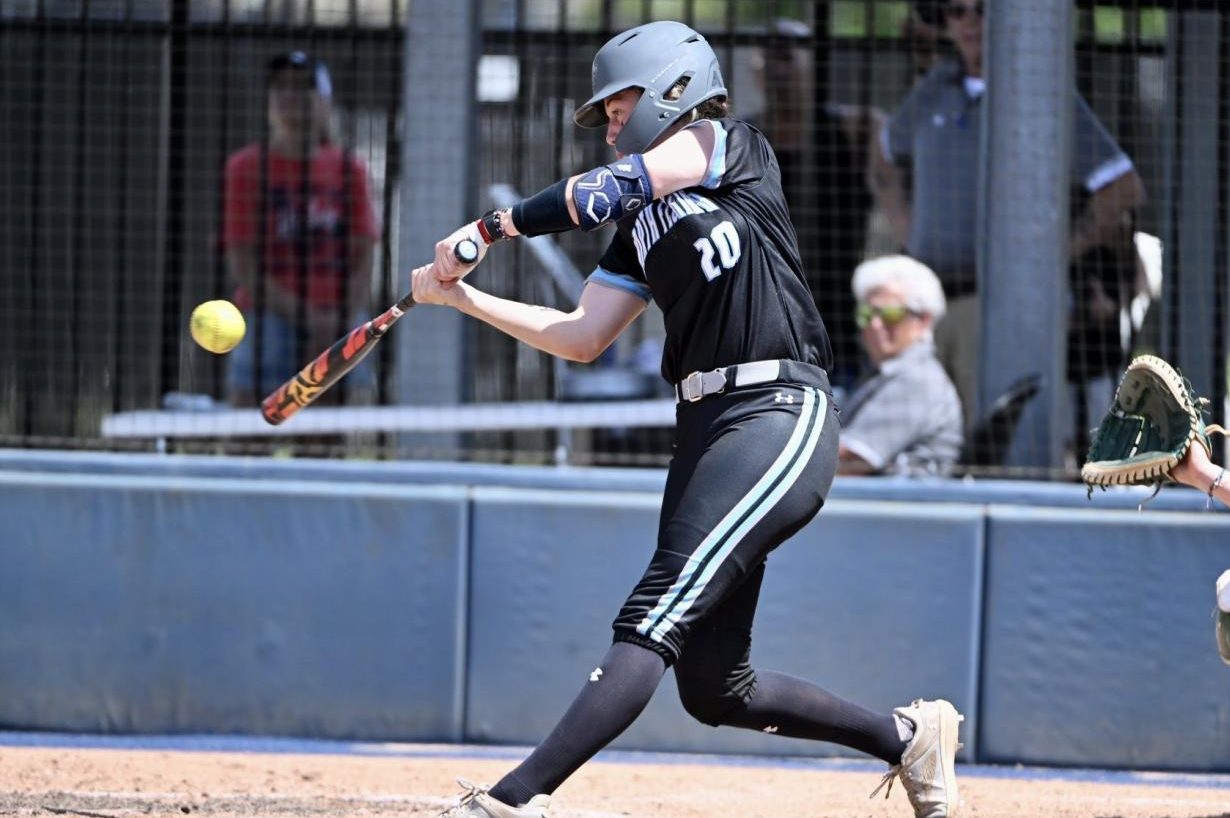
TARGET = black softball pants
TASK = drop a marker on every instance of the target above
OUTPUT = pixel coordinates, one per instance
(751, 468)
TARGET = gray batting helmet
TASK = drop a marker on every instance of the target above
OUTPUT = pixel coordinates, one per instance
(653, 57)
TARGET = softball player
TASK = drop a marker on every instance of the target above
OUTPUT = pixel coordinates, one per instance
(1200, 472)
(701, 227)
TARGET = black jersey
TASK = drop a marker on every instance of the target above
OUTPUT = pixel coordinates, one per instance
(722, 262)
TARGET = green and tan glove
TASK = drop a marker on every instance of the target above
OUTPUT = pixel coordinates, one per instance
(1155, 417)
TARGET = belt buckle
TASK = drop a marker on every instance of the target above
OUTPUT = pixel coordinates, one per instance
(713, 382)
(699, 384)
(691, 388)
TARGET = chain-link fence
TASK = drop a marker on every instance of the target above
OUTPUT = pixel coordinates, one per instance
(155, 156)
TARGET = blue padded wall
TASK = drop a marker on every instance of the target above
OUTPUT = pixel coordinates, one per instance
(328, 599)
(899, 489)
(1099, 643)
(878, 602)
(133, 604)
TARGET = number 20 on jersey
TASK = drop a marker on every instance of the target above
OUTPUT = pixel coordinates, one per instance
(720, 250)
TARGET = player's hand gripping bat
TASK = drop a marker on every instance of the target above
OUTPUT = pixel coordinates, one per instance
(331, 365)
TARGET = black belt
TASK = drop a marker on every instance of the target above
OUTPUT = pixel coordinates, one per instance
(715, 381)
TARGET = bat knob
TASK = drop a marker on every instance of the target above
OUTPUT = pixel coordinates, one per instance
(466, 251)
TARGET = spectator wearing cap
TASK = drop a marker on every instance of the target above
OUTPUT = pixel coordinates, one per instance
(926, 179)
(299, 232)
(906, 417)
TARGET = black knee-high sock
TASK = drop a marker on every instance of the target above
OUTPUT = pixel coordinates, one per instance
(794, 707)
(605, 707)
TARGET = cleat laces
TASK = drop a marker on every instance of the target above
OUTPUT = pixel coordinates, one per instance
(887, 780)
(469, 796)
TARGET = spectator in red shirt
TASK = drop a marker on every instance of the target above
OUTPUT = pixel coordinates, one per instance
(299, 249)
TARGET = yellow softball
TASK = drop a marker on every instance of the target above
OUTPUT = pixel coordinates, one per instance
(218, 326)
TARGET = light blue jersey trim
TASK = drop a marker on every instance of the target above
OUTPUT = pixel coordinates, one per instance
(717, 162)
(618, 282)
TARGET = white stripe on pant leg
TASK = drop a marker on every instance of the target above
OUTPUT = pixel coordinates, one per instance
(727, 522)
(740, 508)
(762, 509)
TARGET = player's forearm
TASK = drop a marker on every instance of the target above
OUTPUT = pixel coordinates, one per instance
(554, 332)
(1212, 480)
(508, 228)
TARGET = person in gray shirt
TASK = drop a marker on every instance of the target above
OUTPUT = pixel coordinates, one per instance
(934, 135)
(906, 418)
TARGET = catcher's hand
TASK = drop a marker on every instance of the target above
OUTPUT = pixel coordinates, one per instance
(1153, 420)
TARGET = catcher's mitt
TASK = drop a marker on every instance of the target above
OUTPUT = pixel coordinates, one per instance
(1155, 417)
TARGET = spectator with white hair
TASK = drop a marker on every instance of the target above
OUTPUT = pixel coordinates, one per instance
(906, 417)
(926, 177)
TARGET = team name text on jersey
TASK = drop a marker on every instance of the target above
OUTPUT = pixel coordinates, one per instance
(655, 220)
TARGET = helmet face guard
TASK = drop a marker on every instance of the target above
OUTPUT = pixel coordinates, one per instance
(654, 57)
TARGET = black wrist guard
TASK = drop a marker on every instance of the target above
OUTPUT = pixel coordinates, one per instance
(544, 212)
(491, 228)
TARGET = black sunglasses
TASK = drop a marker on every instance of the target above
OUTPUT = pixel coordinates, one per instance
(957, 11)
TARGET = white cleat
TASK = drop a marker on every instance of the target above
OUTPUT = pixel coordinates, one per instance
(476, 803)
(927, 769)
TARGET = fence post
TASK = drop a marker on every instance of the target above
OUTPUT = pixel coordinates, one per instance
(1023, 253)
(439, 120)
(1191, 263)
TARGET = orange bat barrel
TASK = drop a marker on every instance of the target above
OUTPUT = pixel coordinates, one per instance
(328, 367)
(331, 365)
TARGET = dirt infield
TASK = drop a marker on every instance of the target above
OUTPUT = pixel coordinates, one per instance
(162, 784)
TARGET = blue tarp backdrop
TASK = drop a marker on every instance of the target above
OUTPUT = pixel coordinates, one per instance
(428, 602)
